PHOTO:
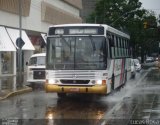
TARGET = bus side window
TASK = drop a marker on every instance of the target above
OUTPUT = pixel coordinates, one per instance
(127, 48)
(111, 40)
(117, 43)
(123, 48)
(120, 46)
(111, 45)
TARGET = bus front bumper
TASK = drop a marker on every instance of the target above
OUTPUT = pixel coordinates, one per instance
(96, 89)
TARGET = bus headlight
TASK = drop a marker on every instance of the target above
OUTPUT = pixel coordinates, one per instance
(50, 116)
(100, 82)
(52, 81)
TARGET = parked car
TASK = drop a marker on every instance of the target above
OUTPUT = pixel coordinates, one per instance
(149, 59)
(133, 70)
(36, 68)
(137, 65)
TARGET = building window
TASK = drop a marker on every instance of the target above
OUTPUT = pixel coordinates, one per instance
(7, 63)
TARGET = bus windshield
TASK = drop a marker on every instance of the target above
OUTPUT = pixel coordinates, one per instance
(77, 53)
(40, 60)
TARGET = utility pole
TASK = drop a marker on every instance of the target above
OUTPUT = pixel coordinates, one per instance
(20, 49)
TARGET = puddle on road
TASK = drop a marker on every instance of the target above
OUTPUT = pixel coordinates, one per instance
(77, 108)
(138, 100)
(82, 110)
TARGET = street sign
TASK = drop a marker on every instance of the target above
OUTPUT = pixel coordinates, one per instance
(19, 42)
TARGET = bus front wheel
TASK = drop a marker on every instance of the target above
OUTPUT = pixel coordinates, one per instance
(125, 79)
(112, 83)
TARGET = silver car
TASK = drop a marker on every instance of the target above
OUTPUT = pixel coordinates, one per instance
(137, 65)
(133, 69)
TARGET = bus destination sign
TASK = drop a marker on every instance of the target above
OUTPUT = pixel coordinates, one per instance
(76, 31)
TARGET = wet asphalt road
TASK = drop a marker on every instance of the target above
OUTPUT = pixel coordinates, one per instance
(141, 106)
(138, 100)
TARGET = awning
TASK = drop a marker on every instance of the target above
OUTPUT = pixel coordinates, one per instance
(44, 37)
(5, 42)
(14, 34)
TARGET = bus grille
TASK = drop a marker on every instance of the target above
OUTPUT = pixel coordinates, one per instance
(80, 76)
(39, 74)
(75, 81)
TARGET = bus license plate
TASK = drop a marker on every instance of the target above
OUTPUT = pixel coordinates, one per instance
(74, 89)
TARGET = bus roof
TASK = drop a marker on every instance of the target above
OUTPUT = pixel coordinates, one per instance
(76, 24)
(38, 54)
(107, 27)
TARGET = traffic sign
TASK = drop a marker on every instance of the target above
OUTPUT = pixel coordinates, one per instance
(19, 42)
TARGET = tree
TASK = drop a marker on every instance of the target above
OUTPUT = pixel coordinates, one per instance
(128, 16)
(107, 11)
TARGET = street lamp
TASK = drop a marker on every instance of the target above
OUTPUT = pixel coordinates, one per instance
(122, 16)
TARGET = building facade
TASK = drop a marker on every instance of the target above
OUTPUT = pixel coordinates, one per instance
(88, 8)
(37, 16)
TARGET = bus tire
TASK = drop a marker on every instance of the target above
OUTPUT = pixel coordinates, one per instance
(125, 77)
(112, 84)
(61, 95)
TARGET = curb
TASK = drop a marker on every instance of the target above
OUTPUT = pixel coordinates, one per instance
(18, 92)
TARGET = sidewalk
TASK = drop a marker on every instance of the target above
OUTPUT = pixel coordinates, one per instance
(9, 87)
(8, 93)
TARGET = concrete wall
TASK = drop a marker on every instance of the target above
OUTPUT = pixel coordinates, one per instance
(34, 20)
(88, 8)
(55, 15)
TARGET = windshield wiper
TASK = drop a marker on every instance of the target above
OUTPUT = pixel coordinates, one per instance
(61, 36)
(92, 42)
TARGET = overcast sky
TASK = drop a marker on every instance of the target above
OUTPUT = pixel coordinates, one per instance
(151, 5)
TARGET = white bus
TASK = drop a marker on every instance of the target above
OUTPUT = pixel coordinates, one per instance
(36, 68)
(86, 58)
